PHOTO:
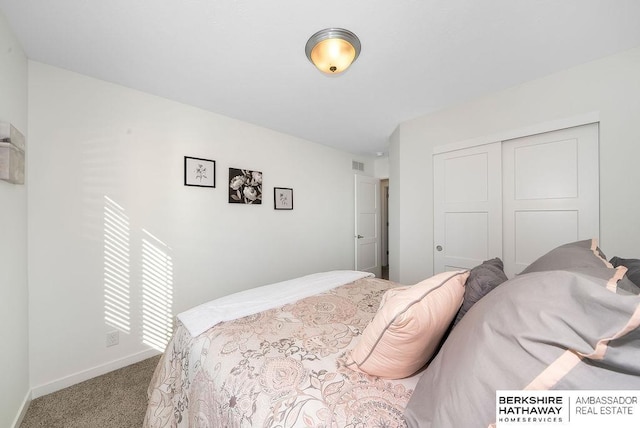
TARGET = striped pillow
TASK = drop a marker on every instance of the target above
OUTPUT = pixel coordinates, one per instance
(543, 330)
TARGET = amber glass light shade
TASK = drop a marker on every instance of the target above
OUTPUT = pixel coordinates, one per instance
(333, 50)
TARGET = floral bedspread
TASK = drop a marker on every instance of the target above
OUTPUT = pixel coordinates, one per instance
(284, 367)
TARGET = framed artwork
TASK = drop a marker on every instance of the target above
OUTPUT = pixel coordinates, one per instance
(245, 186)
(282, 198)
(199, 172)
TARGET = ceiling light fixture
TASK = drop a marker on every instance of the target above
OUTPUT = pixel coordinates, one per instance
(333, 50)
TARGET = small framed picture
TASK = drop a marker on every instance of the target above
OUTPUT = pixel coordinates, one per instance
(245, 186)
(282, 198)
(199, 172)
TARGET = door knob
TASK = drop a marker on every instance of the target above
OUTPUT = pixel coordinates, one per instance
(359, 236)
(439, 247)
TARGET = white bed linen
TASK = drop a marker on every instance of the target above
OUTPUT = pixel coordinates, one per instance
(249, 302)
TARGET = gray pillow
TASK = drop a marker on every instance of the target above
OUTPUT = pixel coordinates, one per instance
(517, 335)
(482, 279)
(625, 285)
(579, 254)
(633, 268)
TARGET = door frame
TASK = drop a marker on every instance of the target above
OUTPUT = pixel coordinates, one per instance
(539, 128)
(384, 221)
(504, 136)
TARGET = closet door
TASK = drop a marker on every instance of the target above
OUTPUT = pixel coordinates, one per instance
(550, 193)
(467, 207)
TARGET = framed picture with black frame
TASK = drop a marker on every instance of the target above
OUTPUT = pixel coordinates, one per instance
(282, 198)
(245, 186)
(199, 172)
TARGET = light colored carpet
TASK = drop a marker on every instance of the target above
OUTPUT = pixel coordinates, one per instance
(115, 400)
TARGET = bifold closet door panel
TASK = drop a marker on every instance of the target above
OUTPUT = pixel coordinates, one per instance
(467, 207)
(550, 193)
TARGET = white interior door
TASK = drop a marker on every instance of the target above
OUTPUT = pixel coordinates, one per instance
(367, 225)
(467, 207)
(550, 194)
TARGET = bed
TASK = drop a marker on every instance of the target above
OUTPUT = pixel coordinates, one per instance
(345, 349)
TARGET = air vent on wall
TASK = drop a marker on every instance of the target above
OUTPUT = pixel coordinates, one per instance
(357, 166)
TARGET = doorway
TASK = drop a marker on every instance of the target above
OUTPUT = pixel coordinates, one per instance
(384, 197)
(372, 225)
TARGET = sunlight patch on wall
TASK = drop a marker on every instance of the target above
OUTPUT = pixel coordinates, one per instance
(157, 292)
(117, 291)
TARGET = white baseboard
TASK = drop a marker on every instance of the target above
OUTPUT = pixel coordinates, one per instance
(73, 379)
(23, 410)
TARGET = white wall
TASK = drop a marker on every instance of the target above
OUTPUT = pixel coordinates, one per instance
(609, 86)
(14, 312)
(381, 166)
(89, 140)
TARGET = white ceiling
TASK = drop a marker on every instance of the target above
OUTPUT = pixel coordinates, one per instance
(245, 58)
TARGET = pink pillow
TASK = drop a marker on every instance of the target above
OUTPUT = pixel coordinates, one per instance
(408, 326)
